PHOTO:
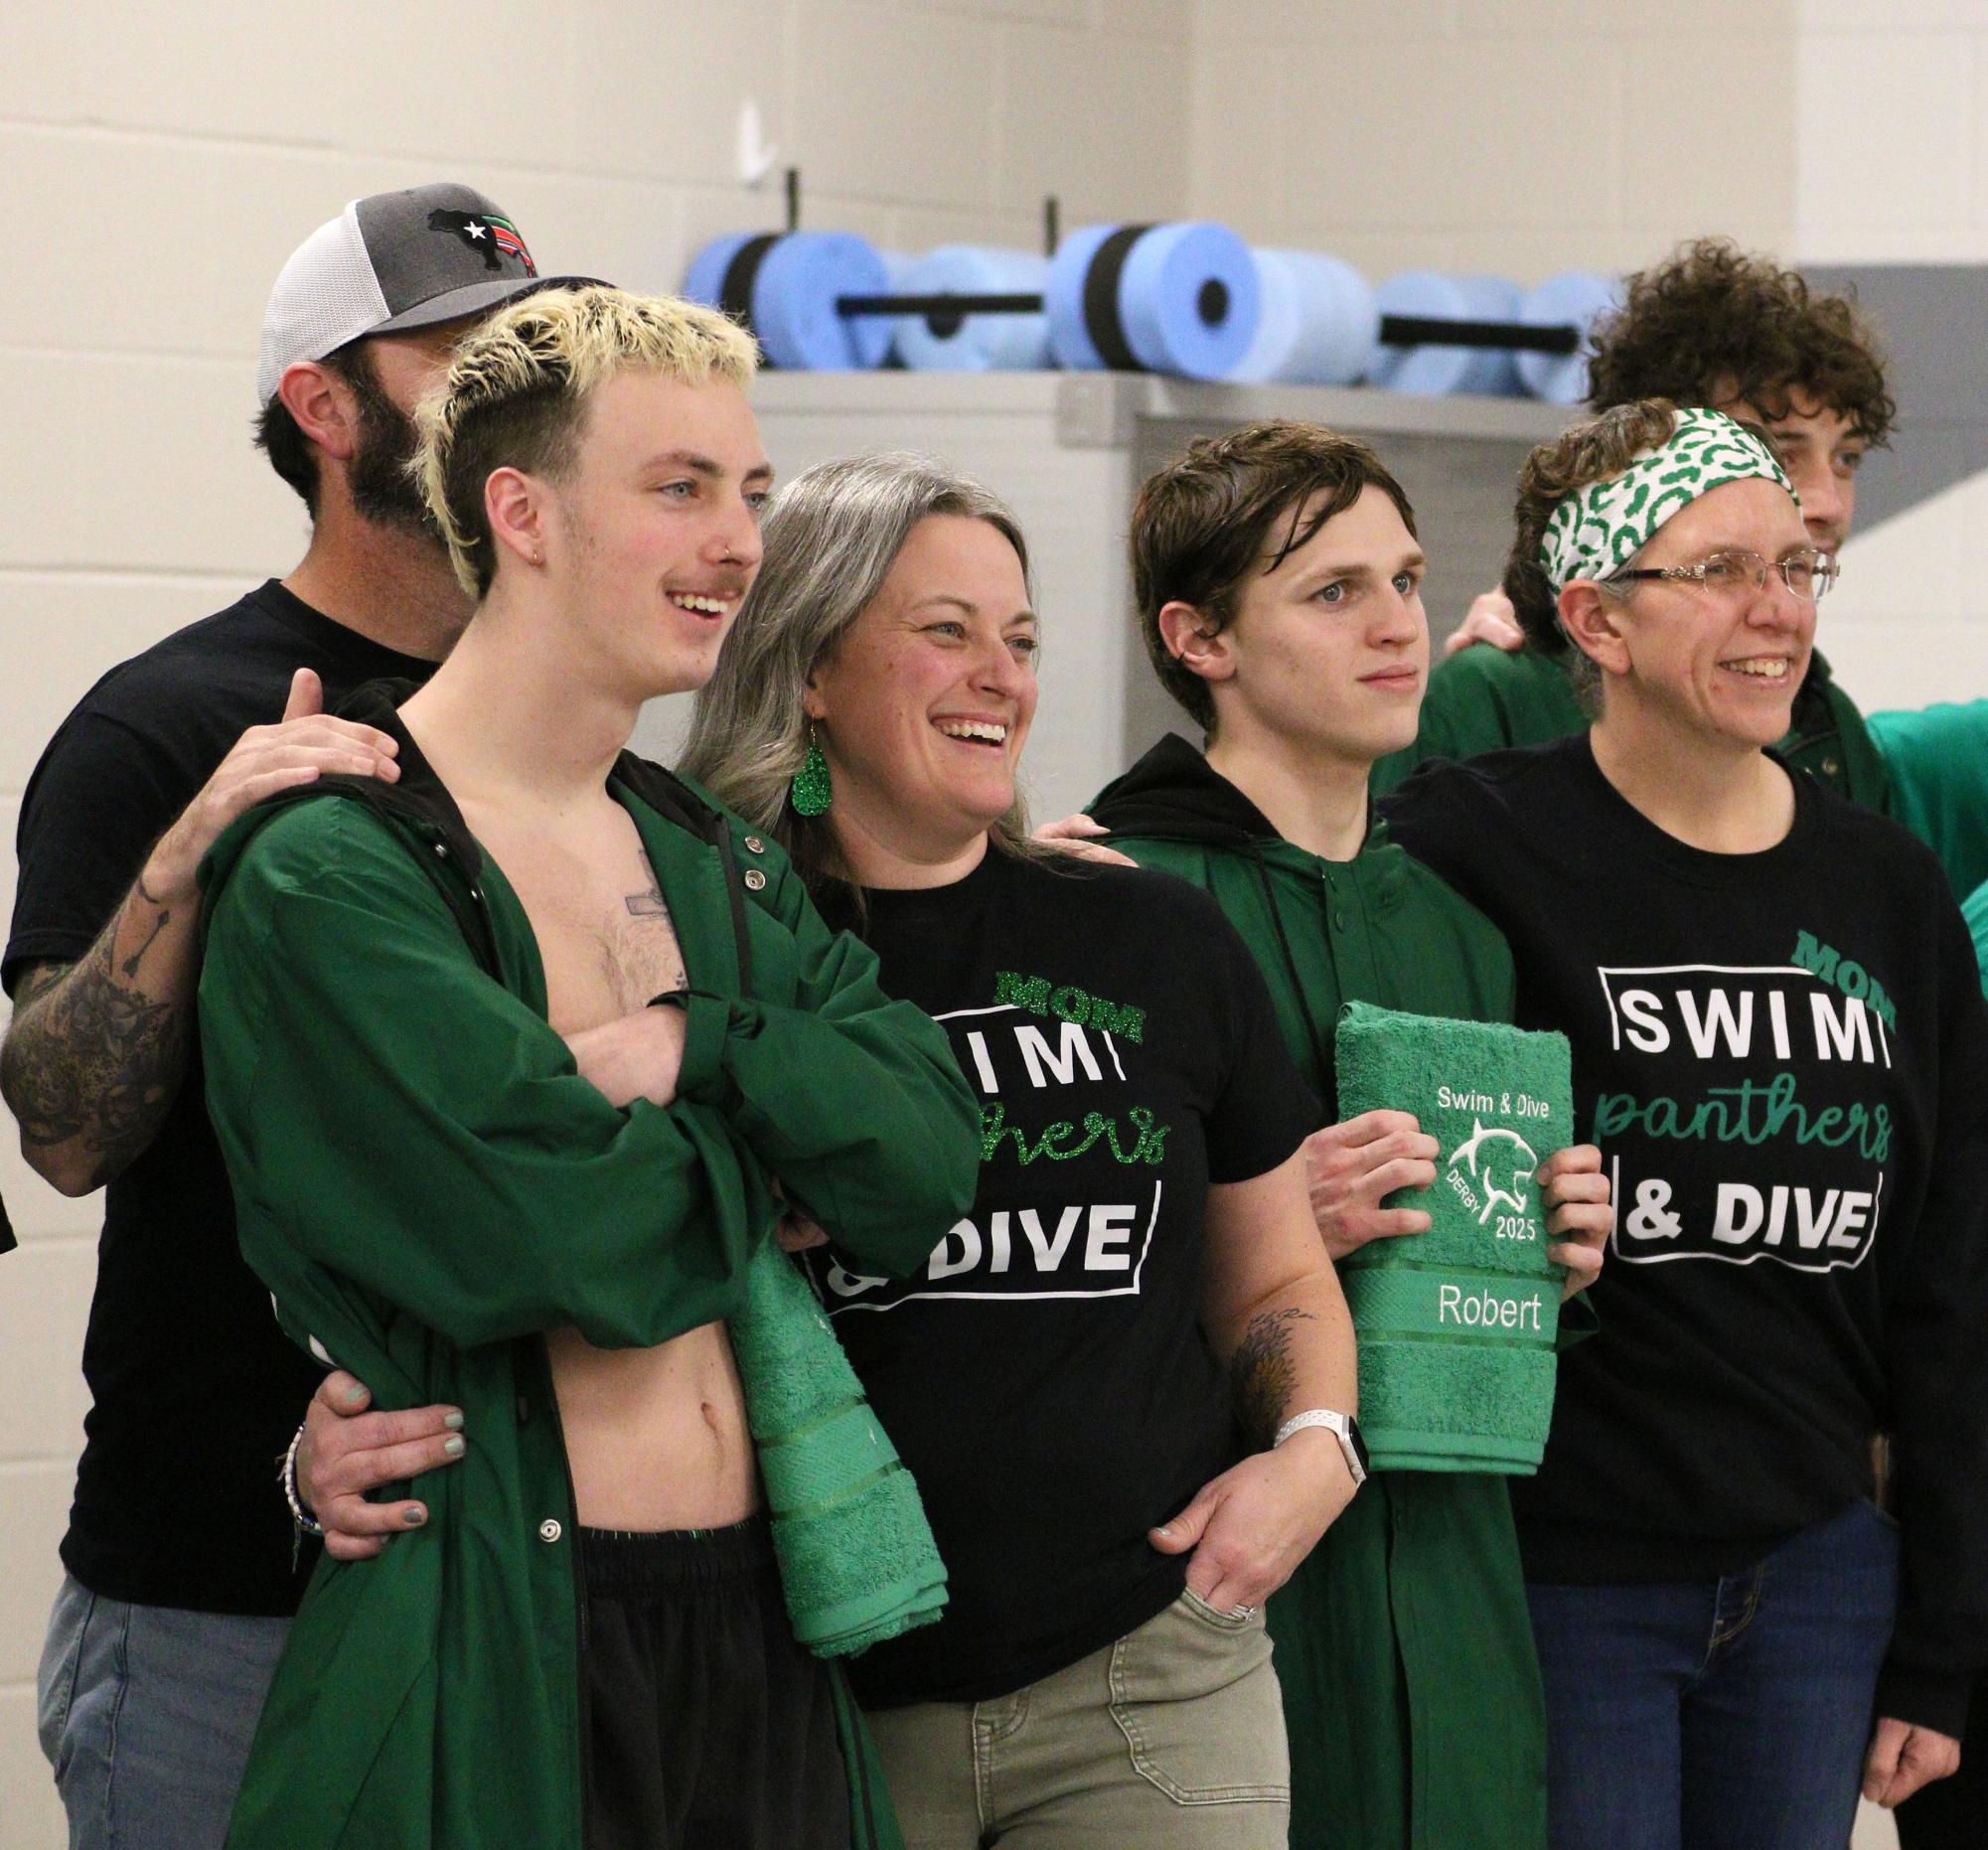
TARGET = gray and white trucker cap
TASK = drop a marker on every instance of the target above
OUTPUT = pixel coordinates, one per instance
(388, 263)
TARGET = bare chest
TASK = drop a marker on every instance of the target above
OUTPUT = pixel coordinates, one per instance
(604, 931)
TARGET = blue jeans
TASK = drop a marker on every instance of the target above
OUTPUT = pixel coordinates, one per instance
(146, 1713)
(1719, 1715)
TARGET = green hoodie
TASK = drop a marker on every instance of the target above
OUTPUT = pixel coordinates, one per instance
(1411, 1692)
(1485, 699)
(1936, 759)
(427, 1185)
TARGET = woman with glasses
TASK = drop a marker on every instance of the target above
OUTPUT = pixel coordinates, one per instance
(1780, 1046)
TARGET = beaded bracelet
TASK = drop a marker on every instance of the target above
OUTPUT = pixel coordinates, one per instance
(304, 1522)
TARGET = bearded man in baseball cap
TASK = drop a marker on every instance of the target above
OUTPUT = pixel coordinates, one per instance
(182, 1569)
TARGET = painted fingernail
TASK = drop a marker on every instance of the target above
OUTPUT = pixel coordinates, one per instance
(354, 1394)
(452, 1447)
(453, 1421)
(413, 1515)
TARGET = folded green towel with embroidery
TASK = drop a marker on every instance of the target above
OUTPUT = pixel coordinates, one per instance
(1456, 1325)
(857, 1562)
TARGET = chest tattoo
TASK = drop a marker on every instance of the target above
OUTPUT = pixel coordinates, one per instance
(649, 906)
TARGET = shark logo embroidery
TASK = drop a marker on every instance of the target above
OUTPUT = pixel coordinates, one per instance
(1485, 1171)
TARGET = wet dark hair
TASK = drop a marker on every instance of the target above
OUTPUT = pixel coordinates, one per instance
(1712, 322)
(1233, 509)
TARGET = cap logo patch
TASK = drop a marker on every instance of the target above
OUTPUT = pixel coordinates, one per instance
(497, 239)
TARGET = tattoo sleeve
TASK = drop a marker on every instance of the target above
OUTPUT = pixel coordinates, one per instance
(1262, 1374)
(97, 1048)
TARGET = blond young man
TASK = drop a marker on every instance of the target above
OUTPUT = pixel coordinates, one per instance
(504, 1061)
(181, 1573)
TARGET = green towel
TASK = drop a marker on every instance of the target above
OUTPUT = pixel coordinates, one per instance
(858, 1561)
(1456, 1325)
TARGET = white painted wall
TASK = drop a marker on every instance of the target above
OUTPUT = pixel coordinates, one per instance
(1892, 132)
(1522, 136)
(1904, 626)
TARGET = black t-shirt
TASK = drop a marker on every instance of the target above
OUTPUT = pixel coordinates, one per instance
(1783, 1057)
(1045, 1377)
(194, 1391)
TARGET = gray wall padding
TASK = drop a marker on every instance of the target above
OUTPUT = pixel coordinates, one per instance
(1933, 318)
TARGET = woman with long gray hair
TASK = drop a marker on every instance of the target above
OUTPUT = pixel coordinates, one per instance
(1054, 1375)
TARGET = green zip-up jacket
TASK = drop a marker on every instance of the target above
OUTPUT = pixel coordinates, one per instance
(426, 1185)
(1485, 699)
(1936, 759)
(1410, 1691)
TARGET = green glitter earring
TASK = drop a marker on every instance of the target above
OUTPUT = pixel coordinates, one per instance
(812, 792)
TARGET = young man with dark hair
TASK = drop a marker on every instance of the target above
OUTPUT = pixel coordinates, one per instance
(511, 1063)
(182, 1570)
(1278, 579)
(1709, 326)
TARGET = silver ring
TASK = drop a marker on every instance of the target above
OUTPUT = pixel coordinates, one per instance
(1244, 1611)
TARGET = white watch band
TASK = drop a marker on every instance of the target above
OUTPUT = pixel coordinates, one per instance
(1334, 1422)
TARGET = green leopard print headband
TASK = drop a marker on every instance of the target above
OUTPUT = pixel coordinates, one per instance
(1596, 530)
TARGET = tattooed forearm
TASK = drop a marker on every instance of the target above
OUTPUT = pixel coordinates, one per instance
(163, 919)
(94, 1059)
(1262, 1372)
(39, 981)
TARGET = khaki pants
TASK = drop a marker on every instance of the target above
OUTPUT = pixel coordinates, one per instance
(1171, 1739)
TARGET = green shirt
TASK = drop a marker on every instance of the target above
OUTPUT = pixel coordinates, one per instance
(426, 1185)
(1404, 1646)
(1937, 762)
(1485, 699)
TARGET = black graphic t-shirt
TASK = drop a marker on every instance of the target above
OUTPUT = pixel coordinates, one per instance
(1045, 1377)
(1783, 1057)
(193, 1389)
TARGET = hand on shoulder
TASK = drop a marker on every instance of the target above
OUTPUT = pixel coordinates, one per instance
(1079, 836)
(1490, 619)
(305, 744)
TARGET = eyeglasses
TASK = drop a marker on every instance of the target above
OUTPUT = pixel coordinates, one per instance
(1808, 573)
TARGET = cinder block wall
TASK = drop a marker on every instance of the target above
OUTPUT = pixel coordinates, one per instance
(1517, 136)
(1907, 187)
(1892, 131)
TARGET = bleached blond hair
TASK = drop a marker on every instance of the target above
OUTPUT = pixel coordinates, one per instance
(516, 395)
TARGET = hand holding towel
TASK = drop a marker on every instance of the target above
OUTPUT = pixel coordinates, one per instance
(1456, 1325)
